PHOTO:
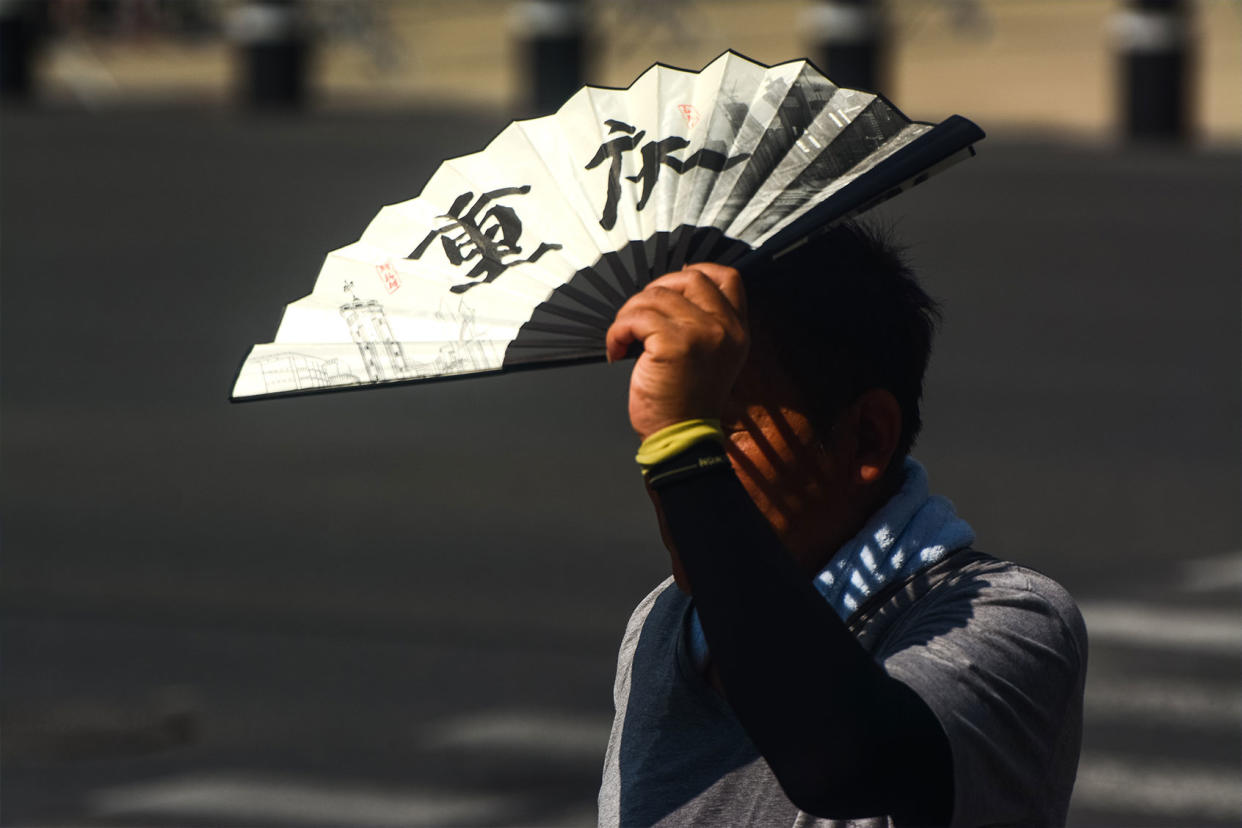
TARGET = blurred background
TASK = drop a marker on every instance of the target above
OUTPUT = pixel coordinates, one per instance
(402, 607)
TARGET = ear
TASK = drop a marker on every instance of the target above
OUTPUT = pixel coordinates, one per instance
(878, 417)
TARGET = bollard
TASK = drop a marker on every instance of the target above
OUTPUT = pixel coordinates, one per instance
(847, 41)
(1153, 46)
(20, 29)
(272, 51)
(552, 43)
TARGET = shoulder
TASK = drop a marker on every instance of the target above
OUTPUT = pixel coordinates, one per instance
(664, 606)
(995, 620)
(664, 592)
(995, 597)
(998, 652)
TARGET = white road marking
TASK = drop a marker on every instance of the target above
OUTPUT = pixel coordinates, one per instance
(1174, 702)
(1206, 631)
(244, 798)
(1109, 783)
(546, 734)
(1218, 574)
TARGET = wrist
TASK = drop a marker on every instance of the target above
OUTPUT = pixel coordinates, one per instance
(674, 439)
(703, 457)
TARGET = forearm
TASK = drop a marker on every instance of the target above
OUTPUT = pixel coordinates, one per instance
(825, 716)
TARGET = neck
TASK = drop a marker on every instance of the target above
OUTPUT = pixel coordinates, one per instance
(836, 524)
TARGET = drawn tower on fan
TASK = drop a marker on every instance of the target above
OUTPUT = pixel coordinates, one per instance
(381, 352)
(471, 352)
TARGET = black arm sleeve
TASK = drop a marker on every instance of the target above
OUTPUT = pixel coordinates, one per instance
(832, 725)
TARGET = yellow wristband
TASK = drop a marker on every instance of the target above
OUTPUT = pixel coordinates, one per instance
(672, 440)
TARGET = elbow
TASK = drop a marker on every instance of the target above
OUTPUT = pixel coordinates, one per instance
(857, 786)
(829, 790)
(813, 801)
(819, 803)
(827, 802)
(864, 801)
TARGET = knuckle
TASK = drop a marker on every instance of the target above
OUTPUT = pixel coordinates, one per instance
(717, 335)
(629, 305)
(709, 337)
(663, 281)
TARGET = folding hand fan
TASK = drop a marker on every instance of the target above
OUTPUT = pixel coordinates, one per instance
(520, 255)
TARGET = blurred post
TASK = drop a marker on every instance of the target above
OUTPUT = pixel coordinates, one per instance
(1154, 56)
(848, 42)
(551, 38)
(272, 52)
(21, 25)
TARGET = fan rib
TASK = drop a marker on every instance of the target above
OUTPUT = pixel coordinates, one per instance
(805, 96)
(869, 132)
(593, 322)
(569, 291)
(760, 230)
(564, 330)
(638, 254)
(814, 141)
(680, 244)
(659, 252)
(578, 347)
(593, 277)
(721, 131)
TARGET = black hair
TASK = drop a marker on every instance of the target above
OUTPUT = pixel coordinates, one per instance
(846, 314)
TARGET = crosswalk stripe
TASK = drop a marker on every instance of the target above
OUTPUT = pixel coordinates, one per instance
(1109, 783)
(238, 799)
(1222, 573)
(1175, 702)
(547, 734)
(1206, 631)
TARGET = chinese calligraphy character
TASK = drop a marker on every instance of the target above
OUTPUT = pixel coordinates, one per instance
(655, 156)
(612, 151)
(388, 274)
(490, 238)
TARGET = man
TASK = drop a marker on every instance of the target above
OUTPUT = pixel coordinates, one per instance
(829, 650)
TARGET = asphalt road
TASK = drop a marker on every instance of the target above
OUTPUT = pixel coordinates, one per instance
(401, 607)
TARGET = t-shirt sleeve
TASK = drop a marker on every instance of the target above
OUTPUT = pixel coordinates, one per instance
(1000, 658)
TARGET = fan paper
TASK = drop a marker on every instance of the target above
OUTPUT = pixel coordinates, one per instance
(521, 254)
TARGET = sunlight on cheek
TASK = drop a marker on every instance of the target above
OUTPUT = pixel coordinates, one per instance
(762, 482)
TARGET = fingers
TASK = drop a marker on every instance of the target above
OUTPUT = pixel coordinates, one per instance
(704, 303)
(694, 344)
(633, 324)
(656, 311)
(728, 281)
(715, 288)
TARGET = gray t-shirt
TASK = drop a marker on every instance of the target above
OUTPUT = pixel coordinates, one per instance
(997, 651)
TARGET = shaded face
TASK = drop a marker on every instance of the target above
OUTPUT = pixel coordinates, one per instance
(815, 489)
(795, 476)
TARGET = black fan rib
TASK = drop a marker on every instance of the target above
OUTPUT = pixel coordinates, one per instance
(547, 336)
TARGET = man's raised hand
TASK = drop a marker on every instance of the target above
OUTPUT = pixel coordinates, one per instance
(692, 325)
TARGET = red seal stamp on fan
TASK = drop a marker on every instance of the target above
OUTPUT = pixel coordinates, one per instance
(690, 114)
(389, 276)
